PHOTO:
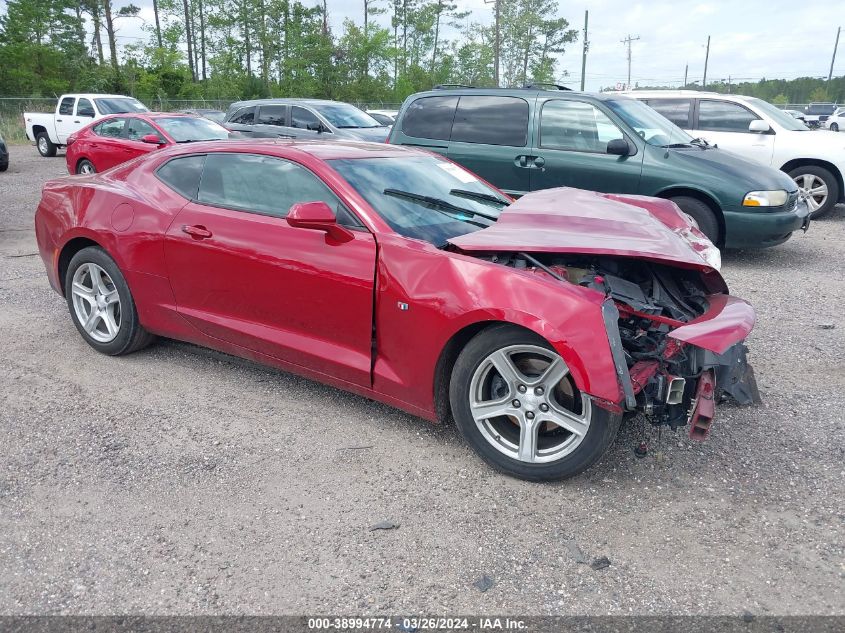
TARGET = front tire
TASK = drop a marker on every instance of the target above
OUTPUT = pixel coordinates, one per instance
(101, 305)
(701, 213)
(516, 405)
(85, 167)
(45, 146)
(818, 187)
(834, 127)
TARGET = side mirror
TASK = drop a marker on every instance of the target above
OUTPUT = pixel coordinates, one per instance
(619, 147)
(152, 139)
(758, 125)
(317, 216)
(319, 128)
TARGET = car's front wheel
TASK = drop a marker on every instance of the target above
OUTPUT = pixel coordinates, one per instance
(701, 213)
(818, 187)
(101, 305)
(85, 167)
(515, 403)
(834, 127)
(45, 146)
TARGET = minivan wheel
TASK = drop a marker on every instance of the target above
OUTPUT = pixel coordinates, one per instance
(818, 187)
(45, 146)
(701, 213)
(516, 405)
(101, 305)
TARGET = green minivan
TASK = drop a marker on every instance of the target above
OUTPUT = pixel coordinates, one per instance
(522, 140)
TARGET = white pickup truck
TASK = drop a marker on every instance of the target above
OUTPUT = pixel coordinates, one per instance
(758, 130)
(73, 112)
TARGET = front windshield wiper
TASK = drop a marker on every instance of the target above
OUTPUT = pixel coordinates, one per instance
(436, 204)
(481, 197)
(696, 142)
(700, 142)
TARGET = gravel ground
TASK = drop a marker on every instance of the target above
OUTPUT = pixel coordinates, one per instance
(179, 480)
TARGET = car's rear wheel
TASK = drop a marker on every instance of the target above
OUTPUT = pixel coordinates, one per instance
(834, 127)
(701, 213)
(85, 167)
(517, 406)
(4, 166)
(818, 187)
(45, 146)
(101, 304)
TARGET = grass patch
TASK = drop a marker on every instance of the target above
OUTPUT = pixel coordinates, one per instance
(12, 130)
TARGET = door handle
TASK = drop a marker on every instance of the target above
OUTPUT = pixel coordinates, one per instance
(76, 121)
(199, 232)
(58, 120)
(521, 161)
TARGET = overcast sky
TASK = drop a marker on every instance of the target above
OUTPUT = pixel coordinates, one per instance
(750, 39)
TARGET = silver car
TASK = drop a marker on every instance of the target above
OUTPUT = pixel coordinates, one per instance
(304, 119)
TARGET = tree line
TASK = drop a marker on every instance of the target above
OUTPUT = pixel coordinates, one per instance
(195, 49)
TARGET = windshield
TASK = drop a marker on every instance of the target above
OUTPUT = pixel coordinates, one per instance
(343, 115)
(423, 176)
(653, 127)
(184, 129)
(119, 105)
(786, 121)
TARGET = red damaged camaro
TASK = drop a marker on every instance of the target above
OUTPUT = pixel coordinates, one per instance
(398, 275)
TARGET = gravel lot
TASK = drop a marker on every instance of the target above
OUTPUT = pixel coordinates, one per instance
(179, 480)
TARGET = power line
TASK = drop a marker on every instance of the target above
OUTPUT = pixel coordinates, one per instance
(628, 41)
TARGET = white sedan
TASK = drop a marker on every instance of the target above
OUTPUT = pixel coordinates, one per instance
(835, 121)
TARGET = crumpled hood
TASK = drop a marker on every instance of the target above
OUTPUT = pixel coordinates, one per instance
(567, 220)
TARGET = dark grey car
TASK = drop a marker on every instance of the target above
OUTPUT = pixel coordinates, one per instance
(304, 118)
(4, 155)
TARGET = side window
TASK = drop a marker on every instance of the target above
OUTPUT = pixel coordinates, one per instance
(244, 116)
(138, 129)
(723, 116)
(66, 106)
(110, 128)
(576, 126)
(84, 108)
(303, 119)
(182, 175)
(430, 117)
(491, 121)
(676, 110)
(262, 184)
(272, 115)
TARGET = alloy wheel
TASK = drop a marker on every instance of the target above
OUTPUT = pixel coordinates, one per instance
(42, 145)
(525, 404)
(96, 302)
(86, 168)
(812, 189)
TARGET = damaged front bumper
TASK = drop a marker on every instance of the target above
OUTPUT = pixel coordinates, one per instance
(702, 362)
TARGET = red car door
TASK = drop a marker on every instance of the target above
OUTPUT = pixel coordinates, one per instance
(104, 145)
(240, 273)
(133, 146)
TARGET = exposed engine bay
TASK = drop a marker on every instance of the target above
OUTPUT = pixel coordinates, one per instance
(671, 382)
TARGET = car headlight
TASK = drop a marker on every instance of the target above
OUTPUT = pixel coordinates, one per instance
(765, 198)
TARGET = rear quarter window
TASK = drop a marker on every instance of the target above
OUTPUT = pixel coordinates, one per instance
(491, 120)
(430, 117)
(183, 175)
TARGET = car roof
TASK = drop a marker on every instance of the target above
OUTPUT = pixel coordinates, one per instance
(322, 150)
(283, 101)
(513, 92)
(95, 95)
(683, 94)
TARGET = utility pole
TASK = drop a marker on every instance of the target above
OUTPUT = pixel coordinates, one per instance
(833, 59)
(497, 41)
(706, 59)
(628, 41)
(686, 72)
(584, 53)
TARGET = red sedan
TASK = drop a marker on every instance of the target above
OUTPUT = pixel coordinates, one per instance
(116, 139)
(400, 276)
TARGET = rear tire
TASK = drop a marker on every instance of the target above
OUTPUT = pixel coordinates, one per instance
(808, 177)
(101, 305)
(45, 146)
(701, 213)
(85, 167)
(528, 401)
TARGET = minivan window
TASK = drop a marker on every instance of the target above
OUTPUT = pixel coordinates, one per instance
(430, 117)
(576, 126)
(182, 175)
(272, 115)
(676, 110)
(653, 128)
(261, 184)
(303, 119)
(491, 121)
(723, 116)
